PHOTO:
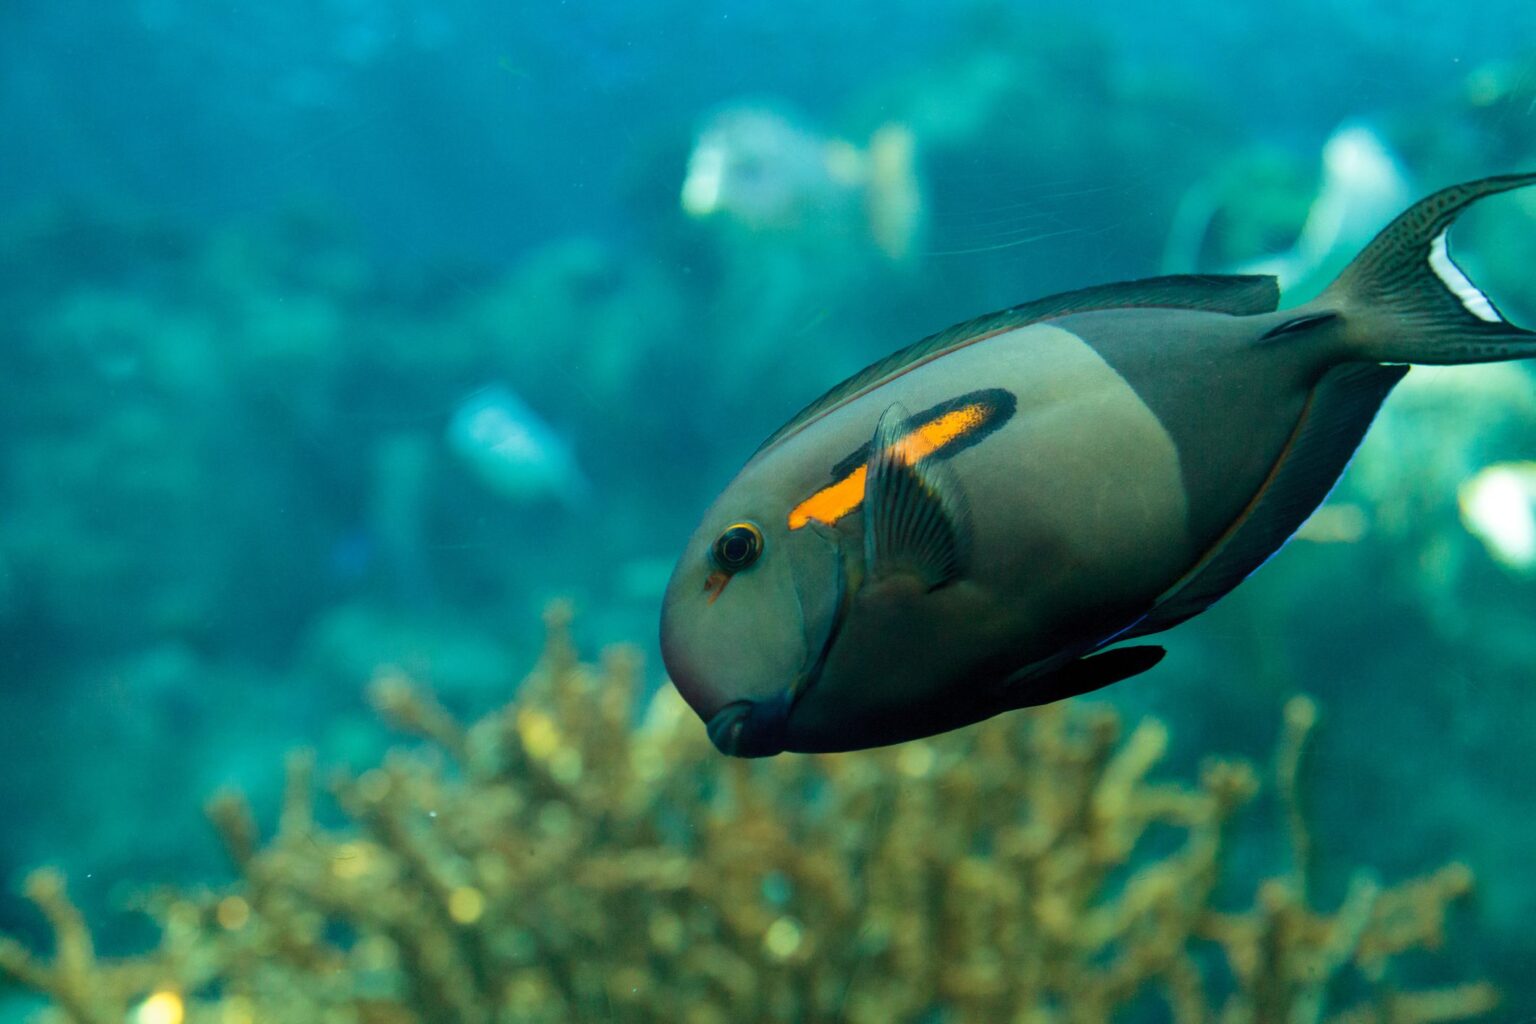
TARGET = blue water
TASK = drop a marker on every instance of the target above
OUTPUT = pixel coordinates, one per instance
(253, 258)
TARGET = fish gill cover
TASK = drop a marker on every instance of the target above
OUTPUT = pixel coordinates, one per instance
(265, 269)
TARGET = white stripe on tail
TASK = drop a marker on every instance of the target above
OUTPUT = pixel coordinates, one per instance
(1459, 284)
(1404, 300)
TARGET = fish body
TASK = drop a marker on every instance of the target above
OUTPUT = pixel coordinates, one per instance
(960, 529)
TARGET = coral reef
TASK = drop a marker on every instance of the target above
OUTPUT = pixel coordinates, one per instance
(553, 861)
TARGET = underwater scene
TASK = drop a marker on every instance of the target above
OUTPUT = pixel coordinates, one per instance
(391, 634)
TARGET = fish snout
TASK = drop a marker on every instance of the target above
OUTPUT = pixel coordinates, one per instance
(751, 728)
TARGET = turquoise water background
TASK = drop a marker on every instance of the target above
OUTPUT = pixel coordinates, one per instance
(256, 258)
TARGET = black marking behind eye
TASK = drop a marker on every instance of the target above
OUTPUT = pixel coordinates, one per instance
(1299, 324)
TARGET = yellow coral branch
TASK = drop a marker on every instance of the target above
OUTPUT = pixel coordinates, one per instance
(558, 860)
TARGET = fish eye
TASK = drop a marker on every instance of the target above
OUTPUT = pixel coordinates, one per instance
(738, 546)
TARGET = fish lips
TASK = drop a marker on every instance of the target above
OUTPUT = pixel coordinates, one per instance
(751, 728)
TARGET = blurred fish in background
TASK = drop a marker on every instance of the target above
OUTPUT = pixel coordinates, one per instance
(514, 453)
(1498, 506)
(757, 169)
(1361, 186)
(1363, 183)
(802, 229)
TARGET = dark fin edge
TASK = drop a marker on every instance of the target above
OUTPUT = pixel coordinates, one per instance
(915, 518)
(1237, 295)
(1080, 676)
(1334, 422)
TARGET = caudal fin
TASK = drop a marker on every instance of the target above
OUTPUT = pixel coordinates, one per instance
(1406, 301)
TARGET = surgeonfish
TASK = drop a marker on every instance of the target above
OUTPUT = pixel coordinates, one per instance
(967, 526)
(1361, 186)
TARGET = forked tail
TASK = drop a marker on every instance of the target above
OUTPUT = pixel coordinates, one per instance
(1405, 301)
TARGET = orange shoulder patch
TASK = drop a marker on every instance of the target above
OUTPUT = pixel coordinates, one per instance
(939, 432)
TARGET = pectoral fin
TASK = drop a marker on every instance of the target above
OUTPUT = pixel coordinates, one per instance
(915, 517)
(1084, 675)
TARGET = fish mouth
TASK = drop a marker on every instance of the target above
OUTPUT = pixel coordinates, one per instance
(751, 728)
(760, 728)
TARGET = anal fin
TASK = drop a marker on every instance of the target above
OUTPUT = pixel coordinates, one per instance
(1080, 676)
(1336, 417)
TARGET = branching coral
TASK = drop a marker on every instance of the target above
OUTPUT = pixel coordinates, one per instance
(554, 862)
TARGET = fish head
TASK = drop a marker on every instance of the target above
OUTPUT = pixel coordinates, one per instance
(747, 618)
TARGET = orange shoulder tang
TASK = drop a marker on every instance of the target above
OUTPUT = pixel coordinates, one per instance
(938, 433)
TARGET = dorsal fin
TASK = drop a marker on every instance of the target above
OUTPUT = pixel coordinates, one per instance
(1335, 420)
(1238, 295)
